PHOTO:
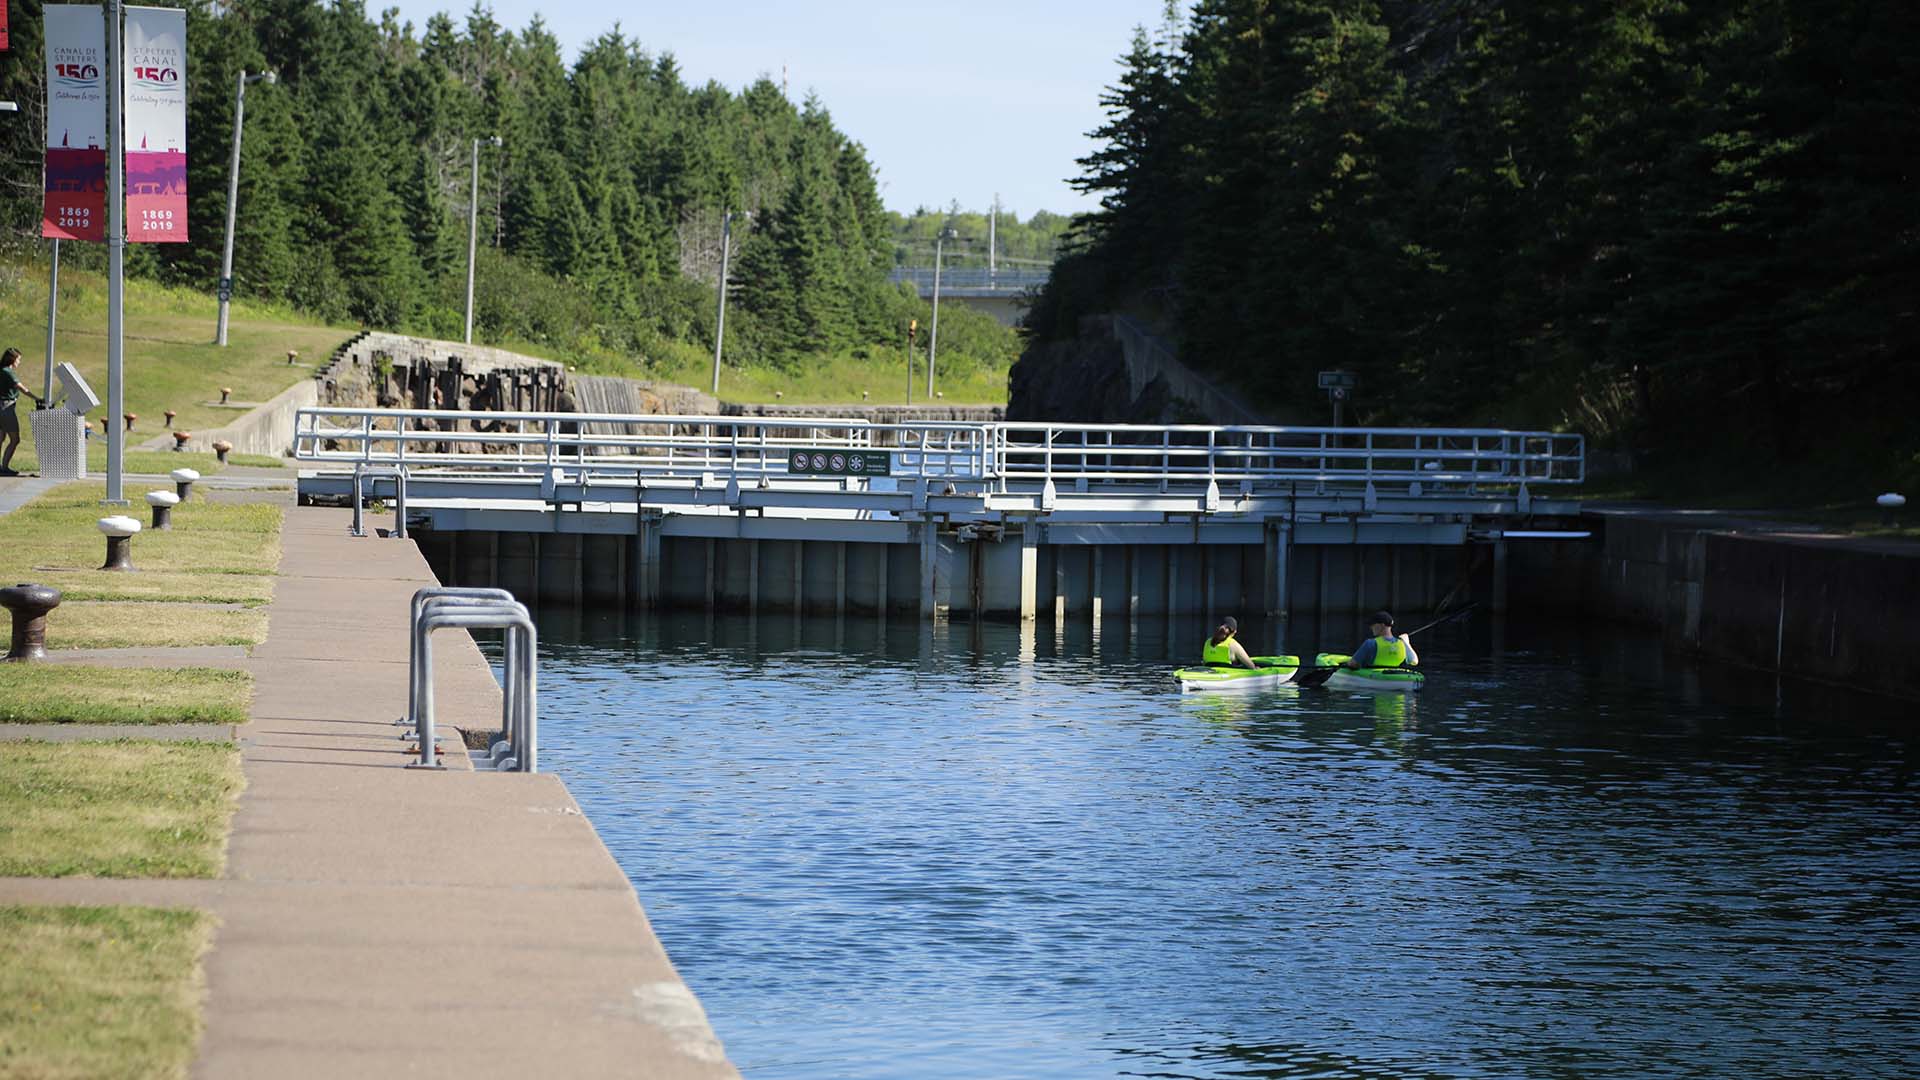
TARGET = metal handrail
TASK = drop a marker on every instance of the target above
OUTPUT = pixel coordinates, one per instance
(994, 454)
(519, 707)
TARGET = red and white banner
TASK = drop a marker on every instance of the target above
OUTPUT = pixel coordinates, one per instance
(155, 114)
(3, 27)
(75, 207)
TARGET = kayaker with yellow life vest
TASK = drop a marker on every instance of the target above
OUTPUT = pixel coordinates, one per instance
(1221, 650)
(1382, 649)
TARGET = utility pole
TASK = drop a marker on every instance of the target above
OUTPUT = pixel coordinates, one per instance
(913, 325)
(473, 228)
(720, 321)
(933, 333)
(116, 263)
(233, 198)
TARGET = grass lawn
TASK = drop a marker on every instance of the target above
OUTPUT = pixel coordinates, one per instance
(108, 625)
(116, 809)
(169, 356)
(83, 694)
(215, 552)
(100, 992)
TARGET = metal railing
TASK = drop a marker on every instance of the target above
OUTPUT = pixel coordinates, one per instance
(476, 609)
(980, 456)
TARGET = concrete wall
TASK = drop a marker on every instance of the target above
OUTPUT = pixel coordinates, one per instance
(1006, 578)
(1820, 607)
(266, 429)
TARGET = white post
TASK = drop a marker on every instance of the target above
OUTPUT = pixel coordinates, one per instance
(116, 261)
(720, 321)
(933, 333)
(233, 199)
(53, 314)
(993, 234)
(473, 230)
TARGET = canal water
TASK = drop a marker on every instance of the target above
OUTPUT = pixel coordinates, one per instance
(890, 850)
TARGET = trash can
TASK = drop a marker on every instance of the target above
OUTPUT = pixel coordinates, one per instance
(60, 441)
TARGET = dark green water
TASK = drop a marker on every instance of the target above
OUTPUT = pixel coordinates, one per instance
(903, 852)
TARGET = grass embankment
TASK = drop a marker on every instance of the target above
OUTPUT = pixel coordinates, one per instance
(143, 462)
(116, 809)
(92, 624)
(840, 380)
(219, 553)
(169, 356)
(100, 992)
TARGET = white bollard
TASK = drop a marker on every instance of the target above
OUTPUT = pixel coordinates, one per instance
(163, 503)
(183, 482)
(119, 532)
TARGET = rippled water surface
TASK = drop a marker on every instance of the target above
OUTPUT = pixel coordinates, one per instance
(894, 851)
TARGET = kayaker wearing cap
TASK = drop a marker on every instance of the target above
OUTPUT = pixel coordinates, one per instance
(1383, 649)
(1221, 650)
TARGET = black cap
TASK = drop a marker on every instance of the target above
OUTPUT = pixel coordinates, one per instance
(1385, 617)
(1230, 623)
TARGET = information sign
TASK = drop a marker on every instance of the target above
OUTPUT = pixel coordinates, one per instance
(840, 462)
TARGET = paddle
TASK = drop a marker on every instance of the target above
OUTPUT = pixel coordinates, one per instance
(1313, 677)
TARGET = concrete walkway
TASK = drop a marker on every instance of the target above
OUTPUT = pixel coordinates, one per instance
(378, 921)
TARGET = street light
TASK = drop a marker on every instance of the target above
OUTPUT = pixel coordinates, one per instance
(933, 334)
(473, 227)
(233, 196)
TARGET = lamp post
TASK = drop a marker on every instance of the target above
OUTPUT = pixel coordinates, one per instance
(933, 332)
(233, 196)
(473, 227)
(116, 262)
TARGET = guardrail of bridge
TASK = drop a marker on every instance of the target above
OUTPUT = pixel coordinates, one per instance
(990, 456)
(1169, 456)
(655, 445)
(973, 278)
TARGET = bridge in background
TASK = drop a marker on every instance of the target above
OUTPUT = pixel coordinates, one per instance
(996, 291)
(1005, 520)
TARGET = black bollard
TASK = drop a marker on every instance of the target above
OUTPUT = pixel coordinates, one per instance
(29, 605)
(119, 532)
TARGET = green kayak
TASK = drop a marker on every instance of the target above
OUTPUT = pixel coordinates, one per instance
(1273, 671)
(1398, 680)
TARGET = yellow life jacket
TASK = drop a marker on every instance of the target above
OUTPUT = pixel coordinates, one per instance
(1389, 651)
(1216, 654)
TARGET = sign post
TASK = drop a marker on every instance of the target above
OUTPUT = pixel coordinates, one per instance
(1339, 385)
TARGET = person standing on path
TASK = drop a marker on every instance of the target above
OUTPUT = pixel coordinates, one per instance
(10, 391)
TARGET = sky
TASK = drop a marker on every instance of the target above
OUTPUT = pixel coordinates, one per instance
(960, 99)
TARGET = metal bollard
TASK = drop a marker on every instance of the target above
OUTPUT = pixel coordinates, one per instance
(221, 449)
(180, 440)
(163, 503)
(29, 605)
(183, 482)
(119, 532)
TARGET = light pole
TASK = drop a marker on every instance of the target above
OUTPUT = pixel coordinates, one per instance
(933, 332)
(473, 227)
(720, 322)
(116, 265)
(233, 196)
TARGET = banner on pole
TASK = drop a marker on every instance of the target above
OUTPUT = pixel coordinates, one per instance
(155, 110)
(3, 26)
(75, 207)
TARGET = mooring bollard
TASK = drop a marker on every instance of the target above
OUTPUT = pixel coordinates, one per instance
(29, 605)
(180, 440)
(183, 482)
(169, 414)
(221, 449)
(1889, 503)
(163, 503)
(224, 391)
(119, 532)
(130, 418)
